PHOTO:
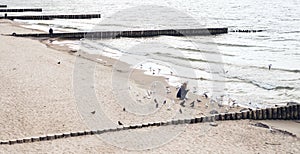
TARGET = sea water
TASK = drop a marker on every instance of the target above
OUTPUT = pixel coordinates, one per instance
(233, 64)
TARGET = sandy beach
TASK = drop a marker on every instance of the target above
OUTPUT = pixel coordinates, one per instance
(38, 97)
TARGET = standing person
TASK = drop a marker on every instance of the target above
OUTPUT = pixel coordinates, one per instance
(50, 31)
(182, 91)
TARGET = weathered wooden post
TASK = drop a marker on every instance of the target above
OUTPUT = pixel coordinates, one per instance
(269, 113)
(249, 115)
(232, 116)
(288, 112)
(279, 113)
(283, 112)
(291, 111)
(254, 114)
(239, 115)
(259, 114)
(227, 116)
(298, 110)
(274, 113)
(244, 114)
(222, 116)
(295, 112)
(264, 114)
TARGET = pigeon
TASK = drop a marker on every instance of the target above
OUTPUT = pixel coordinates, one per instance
(124, 109)
(120, 123)
(180, 111)
(192, 104)
(58, 62)
(182, 103)
(214, 112)
(198, 100)
(165, 102)
(93, 112)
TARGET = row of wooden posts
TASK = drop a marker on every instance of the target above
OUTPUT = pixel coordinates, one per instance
(137, 33)
(291, 112)
(42, 17)
(51, 17)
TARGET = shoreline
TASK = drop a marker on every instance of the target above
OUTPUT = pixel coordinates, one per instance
(37, 99)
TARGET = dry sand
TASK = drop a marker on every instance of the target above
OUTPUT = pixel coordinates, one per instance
(37, 98)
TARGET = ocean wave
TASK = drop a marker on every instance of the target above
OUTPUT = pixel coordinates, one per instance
(203, 51)
(265, 86)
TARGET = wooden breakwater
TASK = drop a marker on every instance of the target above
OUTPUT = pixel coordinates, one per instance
(3, 6)
(135, 34)
(247, 31)
(291, 112)
(50, 17)
(22, 10)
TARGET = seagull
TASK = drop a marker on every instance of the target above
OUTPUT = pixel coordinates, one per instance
(182, 103)
(192, 104)
(270, 66)
(93, 112)
(120, 123)
(155, 100)
(58, 62)
(180, 111)
(124, 109)
(165, 102)
(156, 105)
(205, 95)
(198, 100)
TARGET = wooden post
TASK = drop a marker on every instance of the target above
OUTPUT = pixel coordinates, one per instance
(298, 110)
(26, 140)
(35, 139)
(259, 114)
(249, 115)
(288, 112)
(12, 142)
(279, 113)
(217, 117)
(233, 116)
(254, 114)
(291, 113)
(274, 113)
(295, 112)
(19, 141)
(222, 116)
(264, 114)
(283, 112)
(239, 115)
(269, 113)
(50, 137)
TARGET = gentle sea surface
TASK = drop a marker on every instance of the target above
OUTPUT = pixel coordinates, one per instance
(233, 64)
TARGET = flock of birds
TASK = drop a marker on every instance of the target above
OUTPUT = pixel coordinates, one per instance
(220, 101)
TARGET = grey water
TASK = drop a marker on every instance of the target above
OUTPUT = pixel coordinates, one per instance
(241, 59)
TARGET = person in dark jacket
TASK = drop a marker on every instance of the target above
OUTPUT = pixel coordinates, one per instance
(181, 94)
